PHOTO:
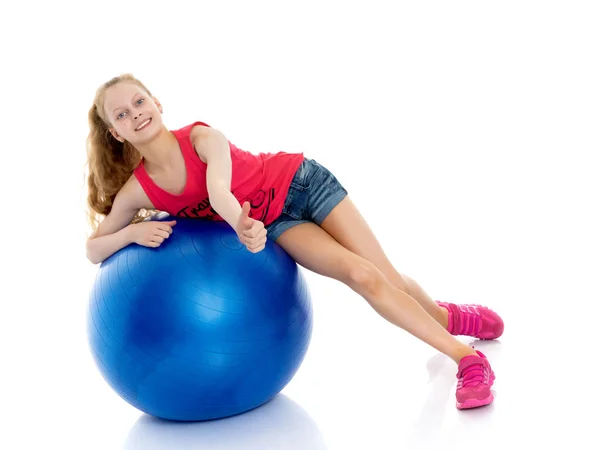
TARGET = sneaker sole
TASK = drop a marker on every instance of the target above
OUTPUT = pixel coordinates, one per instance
(475, 403)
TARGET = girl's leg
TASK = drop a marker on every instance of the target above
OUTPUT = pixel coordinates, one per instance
(349, 228)
(315, 249)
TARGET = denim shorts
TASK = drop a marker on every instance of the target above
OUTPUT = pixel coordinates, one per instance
(313, 193)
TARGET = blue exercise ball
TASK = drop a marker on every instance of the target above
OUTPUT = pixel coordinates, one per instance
(199, 328)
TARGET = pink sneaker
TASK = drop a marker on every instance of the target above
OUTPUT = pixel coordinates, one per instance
(473, 320)
(475, 379)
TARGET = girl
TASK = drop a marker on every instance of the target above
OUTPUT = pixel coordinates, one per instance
(136, 166)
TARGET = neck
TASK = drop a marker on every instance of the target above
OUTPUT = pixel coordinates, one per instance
(158, 153)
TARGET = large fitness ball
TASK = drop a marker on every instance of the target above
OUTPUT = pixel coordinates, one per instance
(199, 328)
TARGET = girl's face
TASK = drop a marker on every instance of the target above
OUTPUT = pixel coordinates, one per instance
(128, 108)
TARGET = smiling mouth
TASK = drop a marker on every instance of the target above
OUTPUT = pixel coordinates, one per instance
(144, 124)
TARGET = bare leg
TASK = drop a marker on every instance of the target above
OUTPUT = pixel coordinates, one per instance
(315, 249)
(347, 226)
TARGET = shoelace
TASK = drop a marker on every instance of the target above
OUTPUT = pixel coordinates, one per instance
(473, 375)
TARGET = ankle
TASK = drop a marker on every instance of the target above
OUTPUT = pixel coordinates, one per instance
(462, 352)
(444, 317)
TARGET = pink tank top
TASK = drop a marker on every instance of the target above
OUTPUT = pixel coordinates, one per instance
(263, 180)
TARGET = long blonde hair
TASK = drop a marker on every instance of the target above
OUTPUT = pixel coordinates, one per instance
(110, 162)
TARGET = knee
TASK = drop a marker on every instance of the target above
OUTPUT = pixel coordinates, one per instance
(364, 277)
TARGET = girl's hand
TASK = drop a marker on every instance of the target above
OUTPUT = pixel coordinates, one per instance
(252, 233)
(151, 233)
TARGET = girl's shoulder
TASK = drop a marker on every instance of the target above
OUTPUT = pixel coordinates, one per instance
(133, 193)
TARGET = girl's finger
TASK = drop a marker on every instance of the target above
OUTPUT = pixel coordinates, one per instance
(249, 233)
(165, 227)
(257, 243)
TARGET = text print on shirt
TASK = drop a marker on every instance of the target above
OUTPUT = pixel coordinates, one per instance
(257, 201)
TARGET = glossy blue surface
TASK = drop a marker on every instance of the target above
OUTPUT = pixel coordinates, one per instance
(199, 328)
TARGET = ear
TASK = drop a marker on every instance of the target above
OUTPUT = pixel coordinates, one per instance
(116, 135)
(158, 105)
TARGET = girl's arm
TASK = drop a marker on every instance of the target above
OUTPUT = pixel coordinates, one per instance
(213, 148)
(113, 233)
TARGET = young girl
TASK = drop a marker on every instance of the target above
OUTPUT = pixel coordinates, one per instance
(136, 166)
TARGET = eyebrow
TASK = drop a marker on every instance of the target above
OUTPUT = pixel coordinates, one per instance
(131, 100)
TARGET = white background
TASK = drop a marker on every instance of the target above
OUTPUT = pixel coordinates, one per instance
(466, 132)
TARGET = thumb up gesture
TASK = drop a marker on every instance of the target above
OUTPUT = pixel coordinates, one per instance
(252, 233)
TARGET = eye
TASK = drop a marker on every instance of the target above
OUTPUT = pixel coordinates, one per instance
(138, 102)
